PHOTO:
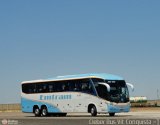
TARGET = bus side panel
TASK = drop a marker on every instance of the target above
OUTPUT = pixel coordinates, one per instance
(27, 106)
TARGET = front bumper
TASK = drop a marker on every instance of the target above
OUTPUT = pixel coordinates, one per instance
(115, 108)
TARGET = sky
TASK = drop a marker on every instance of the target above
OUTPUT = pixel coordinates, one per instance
(43, 39)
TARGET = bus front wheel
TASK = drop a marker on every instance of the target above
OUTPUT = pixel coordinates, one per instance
(93, 111)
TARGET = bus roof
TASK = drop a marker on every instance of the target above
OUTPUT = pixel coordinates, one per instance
(79, 76)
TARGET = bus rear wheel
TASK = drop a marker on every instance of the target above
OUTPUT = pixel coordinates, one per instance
(37, 112)
(111, 114)
(93, 111)
(44, 111)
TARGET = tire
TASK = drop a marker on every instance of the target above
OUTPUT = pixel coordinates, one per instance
(93, 111)
(44, 111)
(111, 114)
(37, 112)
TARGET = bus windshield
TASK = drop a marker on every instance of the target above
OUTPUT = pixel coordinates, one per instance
(118, 90)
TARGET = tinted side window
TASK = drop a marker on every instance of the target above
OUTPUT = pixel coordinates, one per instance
(76, 85)
(35, 88)
(58, 86)
(82, 85)
(87, 86)
(28, 88)
(42, 87)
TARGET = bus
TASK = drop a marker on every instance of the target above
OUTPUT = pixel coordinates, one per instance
(93, 93)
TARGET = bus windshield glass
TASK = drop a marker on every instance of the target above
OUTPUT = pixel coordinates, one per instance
(118, 90)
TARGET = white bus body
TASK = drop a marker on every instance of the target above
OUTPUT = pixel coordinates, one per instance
(92, 93)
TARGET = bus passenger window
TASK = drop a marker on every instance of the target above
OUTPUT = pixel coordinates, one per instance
(28, 88)
(87, 87)
(76, 88)
(50, 88)
(45, 89)
(63, 87)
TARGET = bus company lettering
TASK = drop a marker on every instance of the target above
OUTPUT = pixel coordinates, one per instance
(55, 97)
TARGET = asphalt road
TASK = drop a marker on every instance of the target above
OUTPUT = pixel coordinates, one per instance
(131, 118)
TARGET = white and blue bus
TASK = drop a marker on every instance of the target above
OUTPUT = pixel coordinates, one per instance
(84, 93)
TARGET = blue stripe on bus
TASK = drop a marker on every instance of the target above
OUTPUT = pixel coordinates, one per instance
(116, 109)
(96, 75)
(27, 106)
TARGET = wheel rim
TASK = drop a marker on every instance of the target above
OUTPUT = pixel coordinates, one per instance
(44, 112)
(92, 110)
(36, 111)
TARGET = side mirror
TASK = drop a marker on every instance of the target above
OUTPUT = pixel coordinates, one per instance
(106, 85)
(130, 85)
